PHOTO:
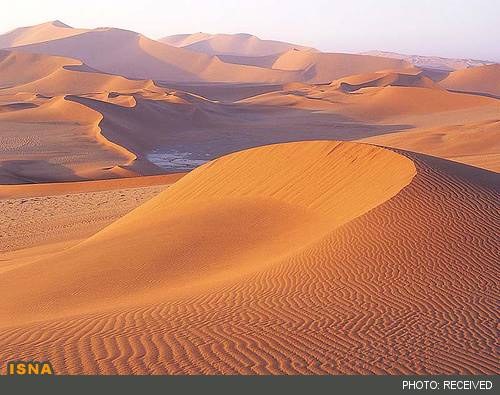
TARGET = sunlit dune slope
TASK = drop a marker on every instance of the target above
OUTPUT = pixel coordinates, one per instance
(259, 276)
(481, 79)
(477, 144)
(397, 102)
(52, 30)
(234, 216)
(181, 40)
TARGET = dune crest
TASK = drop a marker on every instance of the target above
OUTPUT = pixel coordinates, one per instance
(226, 219)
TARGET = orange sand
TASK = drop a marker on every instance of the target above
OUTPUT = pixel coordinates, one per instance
(333, 264)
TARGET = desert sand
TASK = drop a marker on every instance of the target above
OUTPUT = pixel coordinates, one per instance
(247, 299)
(423, 115)
(484, 79)
(222, 204)
(435, 63)
(133, 55)
(231, 44)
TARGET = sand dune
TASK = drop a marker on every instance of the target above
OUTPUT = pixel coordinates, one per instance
(32, 67)
(483, 79)
(127, 120)
(185, 127)
(52, 75)
(52, 30)
(276, 214)
(408, 78)
(49, 137)
(477, 144)
(64, 121)
(302, 274)
(389, 96)
(396, 102)
(311, 256)
(182, 40)
(326, 67)
(59, 140)
(231, 44)
(431, 62)
(133, 55)
(64, 188)
(428, 119)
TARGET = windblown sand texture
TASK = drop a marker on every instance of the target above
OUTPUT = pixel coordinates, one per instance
(321, 266)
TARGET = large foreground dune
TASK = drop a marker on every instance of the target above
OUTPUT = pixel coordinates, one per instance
(349, 259)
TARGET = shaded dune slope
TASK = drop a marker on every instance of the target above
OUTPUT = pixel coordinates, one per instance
(33, 67)
(59, 109)
(405, 285)
(44, 94)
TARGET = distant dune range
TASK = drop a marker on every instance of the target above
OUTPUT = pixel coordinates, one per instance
(133, 55)
(277, 269)
(231, 44)
(103, 126)
(431, 62)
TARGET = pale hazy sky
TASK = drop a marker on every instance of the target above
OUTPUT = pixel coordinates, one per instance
(452, 28)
